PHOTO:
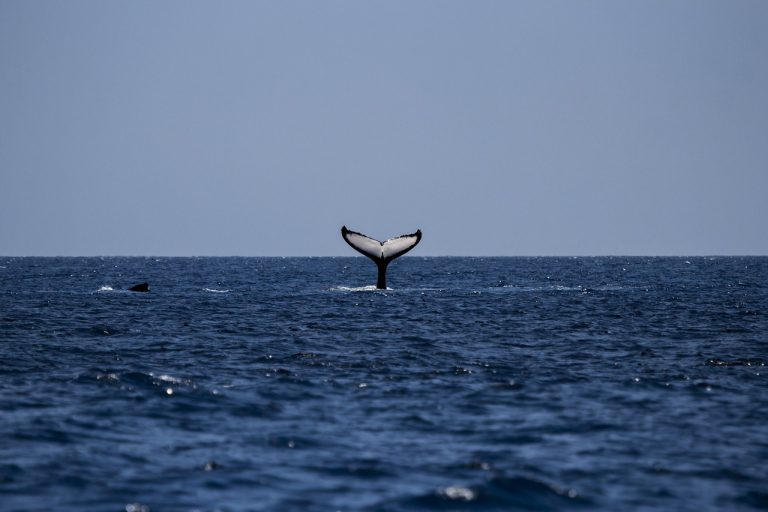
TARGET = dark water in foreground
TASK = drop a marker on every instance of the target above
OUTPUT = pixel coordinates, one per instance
(241, 384)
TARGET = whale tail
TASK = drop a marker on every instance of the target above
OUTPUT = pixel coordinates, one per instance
(382, 253)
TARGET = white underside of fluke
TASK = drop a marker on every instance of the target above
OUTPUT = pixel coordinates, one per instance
(376, 250)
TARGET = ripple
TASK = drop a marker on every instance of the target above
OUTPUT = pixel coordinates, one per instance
(735, 362)
(495, 494)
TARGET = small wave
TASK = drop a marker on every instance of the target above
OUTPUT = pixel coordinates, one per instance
(105, 288)
(552, 288)
(168, 378)
(97, 330)
(215, 290)
(139, 381)
(421, 290)
(562, 288)
(498, 493)
(736, 362)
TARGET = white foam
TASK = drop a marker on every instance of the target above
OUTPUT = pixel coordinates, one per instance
(369, 288)
(214, 290)
(105, 289)
(167, 378)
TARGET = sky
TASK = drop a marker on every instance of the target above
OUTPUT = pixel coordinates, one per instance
(256, 128)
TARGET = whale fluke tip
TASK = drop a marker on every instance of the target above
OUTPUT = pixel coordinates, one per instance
(141, 287)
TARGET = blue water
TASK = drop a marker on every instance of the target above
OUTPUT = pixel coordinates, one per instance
(247, 384)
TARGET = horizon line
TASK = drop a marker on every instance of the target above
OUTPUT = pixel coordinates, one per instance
(407, 256)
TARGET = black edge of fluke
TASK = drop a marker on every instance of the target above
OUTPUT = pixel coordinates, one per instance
(382, 253)
(141, 287)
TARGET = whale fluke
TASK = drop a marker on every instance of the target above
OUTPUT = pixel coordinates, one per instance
(381, 252)
(141, 287)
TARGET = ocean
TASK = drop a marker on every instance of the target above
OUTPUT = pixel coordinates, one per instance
(291, 384)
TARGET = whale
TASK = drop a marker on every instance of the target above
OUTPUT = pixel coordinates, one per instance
(382, 253)
(141, 287)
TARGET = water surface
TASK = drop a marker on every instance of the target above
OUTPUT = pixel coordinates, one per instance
(248, 384)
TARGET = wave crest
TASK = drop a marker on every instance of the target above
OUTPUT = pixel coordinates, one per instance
(215, 290)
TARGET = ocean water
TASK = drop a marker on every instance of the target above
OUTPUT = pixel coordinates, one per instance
(250, 384)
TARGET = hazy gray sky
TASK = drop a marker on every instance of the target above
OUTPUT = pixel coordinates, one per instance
(497, 127)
